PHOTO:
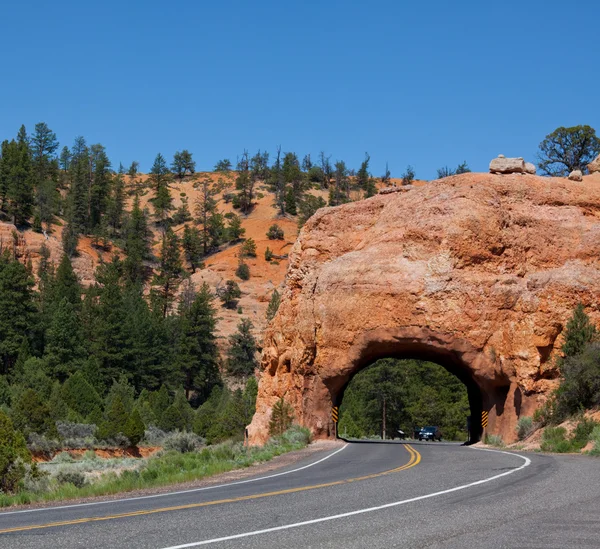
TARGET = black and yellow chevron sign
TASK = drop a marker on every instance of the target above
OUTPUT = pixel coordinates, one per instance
(484, 419)
(335, 413)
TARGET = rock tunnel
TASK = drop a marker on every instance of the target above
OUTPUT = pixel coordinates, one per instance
(478, 273)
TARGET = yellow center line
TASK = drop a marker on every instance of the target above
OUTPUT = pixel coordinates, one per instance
(415, 458)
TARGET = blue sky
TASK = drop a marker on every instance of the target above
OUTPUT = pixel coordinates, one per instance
(421, 83)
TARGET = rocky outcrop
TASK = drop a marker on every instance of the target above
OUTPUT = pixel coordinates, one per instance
(594, 165)
(576, 175)
(477, 272)
(530, 168)
(502, 165)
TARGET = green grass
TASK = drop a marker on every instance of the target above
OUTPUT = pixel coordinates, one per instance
(554, 439)
(168, 468)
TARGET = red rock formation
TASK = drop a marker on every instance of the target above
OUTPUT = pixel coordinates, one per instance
(477, 272)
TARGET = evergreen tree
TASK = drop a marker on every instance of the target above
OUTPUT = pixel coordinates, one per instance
(580, 331)
(196, 351)
(277, 183)
(183, 164)
(339, 192)
(116, 203)
(65, 351)
(13, 456)
(172, 420)
(282, 415)
(273, 305)
(308, 207)
(183, 406)
(79, 395)
(137, 245)
(223, 166)
(241, 354)
(43, 148)
(159, 401)
(160, 179)
(294, 181)
(16, 172)
(16, 309)
(65, 284)
(230, 294)
(99, 186)
(192, 246)
(65, 159)
(134, 428)
(170, 270)
(235, 231)
(206, 209)
(248, 248)
(244, 184)
(31, 414)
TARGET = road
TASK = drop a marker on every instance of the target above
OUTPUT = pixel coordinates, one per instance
(360, 495)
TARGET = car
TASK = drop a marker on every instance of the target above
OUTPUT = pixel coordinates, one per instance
(430, 433)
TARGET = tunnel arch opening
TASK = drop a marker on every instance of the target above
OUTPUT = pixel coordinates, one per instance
(453, 355)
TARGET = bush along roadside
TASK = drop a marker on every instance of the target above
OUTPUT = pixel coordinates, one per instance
(184, 462)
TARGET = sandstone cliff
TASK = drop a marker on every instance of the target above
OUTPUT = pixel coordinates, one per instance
(479, 272)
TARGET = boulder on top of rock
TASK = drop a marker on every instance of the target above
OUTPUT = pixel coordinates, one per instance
(576, 175)
(507, 165)
(529, 168)
(594, 165)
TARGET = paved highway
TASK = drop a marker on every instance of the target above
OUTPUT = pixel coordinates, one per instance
(360, 495)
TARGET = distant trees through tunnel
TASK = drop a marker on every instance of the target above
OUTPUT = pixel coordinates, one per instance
(400, 394)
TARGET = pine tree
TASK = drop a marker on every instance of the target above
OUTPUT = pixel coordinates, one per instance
(17, 174)
(13, 456)
(580, 331)
(170, 270)
(192, 246)
(116, 203)
(235, 231)
(134, 428)
(277, 183)
(16, 309)
(244, 184)
(273, 305)
(241, 354)
(43, 147)
(31, 414)
(137, 245)
(196, 351)
(229, 294)
(282, 416)
(160, 179)
(160, 400)
(183, 164)
(65, 284)
(65, 351)
(183, 406)
(65, 159)
(99, 186)
(172, 420)
(79, 395)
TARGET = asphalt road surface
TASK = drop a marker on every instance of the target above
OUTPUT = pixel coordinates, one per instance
(360, 495)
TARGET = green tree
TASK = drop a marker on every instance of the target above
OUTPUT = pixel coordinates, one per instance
(66, 285)
(408, 176)
(79, 395)
(364, 180)
(137, 247)
(17, 181)
(308, 207)
(230, 294)
(183, 164)
(65, 350)
(206, 210)
(244, 183)
(172, 420)
(241, 354)
(160, 179)
(13, 456)
(248, 248)
(134, 428)
(580, 331)
(192, 246)
(339, 191)
(282, 416)
(170, 271)
(31, 414)
(235, 231)
(447, 172)
(568, 149)
(223, 166)
(16, 309)
(242, 271)
(196, 353)
(273, 305)
(275, 232)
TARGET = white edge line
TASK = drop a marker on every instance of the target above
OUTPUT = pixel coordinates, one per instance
(361, 511)
(191, 490)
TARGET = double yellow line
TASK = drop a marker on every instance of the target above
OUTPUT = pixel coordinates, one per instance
(415, 458)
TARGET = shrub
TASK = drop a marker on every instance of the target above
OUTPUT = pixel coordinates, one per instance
(63, 457)
(297, 435)
(76, 435)
(268, 254)
(494, 440)
(76, 478)
(183, 442)
(90, 455)
(248, 248)
(275, 232)
(154, 436)
(41, 444)
(243, 271)
(524, 427)
(13, 455)
(595, 438)
(582, 432)
(230, 294)
(554, 440)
